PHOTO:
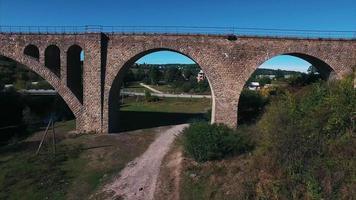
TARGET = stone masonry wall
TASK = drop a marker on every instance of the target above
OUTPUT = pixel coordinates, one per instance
(227, 63)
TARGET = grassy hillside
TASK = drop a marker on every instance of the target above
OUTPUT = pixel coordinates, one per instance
(304, 149)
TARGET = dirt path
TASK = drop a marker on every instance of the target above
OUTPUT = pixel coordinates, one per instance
(138, 179)
(151, 88)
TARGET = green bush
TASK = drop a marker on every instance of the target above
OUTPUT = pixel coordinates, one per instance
(251, 105)
(203, 141)
(310, 136)
(149, 97)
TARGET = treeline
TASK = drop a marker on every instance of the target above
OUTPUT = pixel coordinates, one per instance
(21, 114)
(181, 77)
(12, 72)
(276, 72)
(293, 78)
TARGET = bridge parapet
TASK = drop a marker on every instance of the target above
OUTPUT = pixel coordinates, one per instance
(180, 30)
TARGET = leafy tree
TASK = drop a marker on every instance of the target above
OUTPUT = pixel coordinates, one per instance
(265, 80)
(251, 105)
(140, 74)
(203, 141)
(279, 74)
(1, 85)
(187, 73)
(129, 76)
(154, 75)
(172, 74)
(309, 139)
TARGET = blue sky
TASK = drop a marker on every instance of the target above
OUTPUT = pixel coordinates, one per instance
(280, 62)
(288, 14)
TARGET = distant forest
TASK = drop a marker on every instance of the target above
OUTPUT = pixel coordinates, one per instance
(263, 71)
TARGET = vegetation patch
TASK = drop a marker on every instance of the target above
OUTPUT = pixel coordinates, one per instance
(81, 165)
(203, 141)
(304, 149)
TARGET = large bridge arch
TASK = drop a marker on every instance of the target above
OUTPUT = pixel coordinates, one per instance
(326, 70)
(111, 110)
(34, 65)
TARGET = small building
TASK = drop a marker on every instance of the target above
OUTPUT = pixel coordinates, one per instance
(8, 86)
(200, 76)
(286, 76)
(270, 76)
(254, 86)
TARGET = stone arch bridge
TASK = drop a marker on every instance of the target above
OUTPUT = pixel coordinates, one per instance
(228, 62)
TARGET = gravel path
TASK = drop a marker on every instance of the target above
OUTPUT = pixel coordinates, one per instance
(138, 179)
(151, 88)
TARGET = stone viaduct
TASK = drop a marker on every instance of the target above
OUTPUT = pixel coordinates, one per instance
(91, 88)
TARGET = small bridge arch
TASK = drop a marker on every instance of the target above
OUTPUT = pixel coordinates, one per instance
(33, 64)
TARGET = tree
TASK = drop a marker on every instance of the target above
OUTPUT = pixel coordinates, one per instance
(154, 75)
(140, 74)
(187, 73)
(264, 80)
(129, 76)
(172, 74)
(279, 74)
(312, 70)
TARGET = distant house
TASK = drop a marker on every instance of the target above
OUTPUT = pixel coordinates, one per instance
(254, 86)
(270, 76)
(287, 76)
(200, 76)
(8, 86)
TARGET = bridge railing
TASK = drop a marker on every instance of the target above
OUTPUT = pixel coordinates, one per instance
(302, 33)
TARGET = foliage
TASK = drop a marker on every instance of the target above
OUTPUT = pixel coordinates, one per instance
(11, 105)
(172, 74)
(204, 141)
(304, 79)
(310, 137)
(154, 75)
(251, 105)
(149, 97)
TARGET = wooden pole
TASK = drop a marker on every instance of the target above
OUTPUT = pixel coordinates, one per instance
(43, 137)
(53, 138)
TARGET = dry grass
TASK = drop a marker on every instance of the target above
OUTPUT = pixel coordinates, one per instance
(169, 179)
(82, 164)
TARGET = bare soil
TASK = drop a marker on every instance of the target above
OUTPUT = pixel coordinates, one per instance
(138, 179)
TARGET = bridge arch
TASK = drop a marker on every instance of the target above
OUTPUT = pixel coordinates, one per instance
(326, 71)
(112, 110)
(35, 66)
(53, 59)
(33, 51)
(75, 70)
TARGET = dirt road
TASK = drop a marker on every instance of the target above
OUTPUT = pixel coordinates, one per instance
(137, 181)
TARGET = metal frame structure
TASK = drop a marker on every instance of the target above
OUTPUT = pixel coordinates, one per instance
(181, 30)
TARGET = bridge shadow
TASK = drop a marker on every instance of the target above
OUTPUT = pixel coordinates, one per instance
(135, 120)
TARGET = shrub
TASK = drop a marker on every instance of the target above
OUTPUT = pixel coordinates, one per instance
(251, 105)
(149, 97)
(310, 136)
(203, 141)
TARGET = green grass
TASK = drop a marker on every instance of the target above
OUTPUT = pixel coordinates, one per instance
(136, 113)
(172, 105)
(134, 87)
(82, 164)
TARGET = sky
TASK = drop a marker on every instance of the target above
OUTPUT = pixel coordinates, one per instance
(285, 14)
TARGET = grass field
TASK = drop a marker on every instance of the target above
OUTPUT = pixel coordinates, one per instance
(134, 87)
(168, 105)
(136, 113)
(82, 163)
